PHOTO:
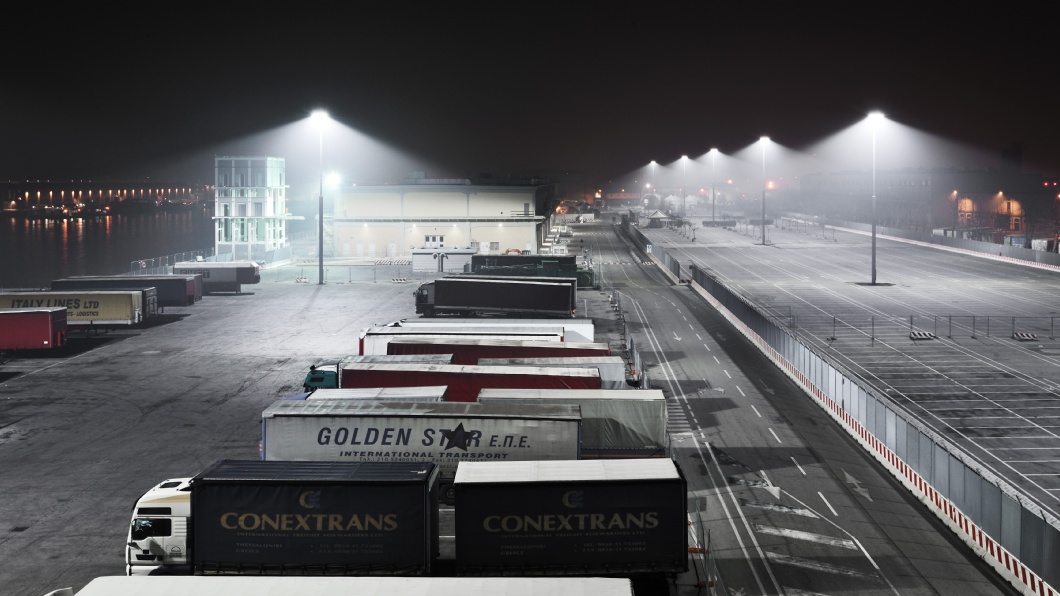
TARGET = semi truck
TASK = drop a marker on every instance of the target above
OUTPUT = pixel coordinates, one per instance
(577, 329)
(434, 393)
(470, 351)
(444, 433)
(327, 375)
(172, 290)
(374, 340)
(244, 585)
(465, 381)
(41, 328)
(290, 518)
(614, 372)
(497, 295)
(619, 423)
(84, 307)
(221, 276)
(625, 517)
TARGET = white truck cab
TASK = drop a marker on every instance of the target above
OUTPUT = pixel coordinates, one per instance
(158, 533)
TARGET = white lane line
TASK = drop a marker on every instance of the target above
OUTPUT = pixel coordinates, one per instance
(807, 536)
(756, 411)
(827, 503)
(716, 360)
(726, 373)
(743, 394)
(818, 566)
(775, 436)
(707, 347)
(797, 465)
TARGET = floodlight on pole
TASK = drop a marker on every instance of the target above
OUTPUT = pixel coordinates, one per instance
(874, 119)
(764, 141)
(653, 173)
(684, 183)
(320, 118)
(713, 179)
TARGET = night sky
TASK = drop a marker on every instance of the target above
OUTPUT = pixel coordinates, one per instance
(592, 89)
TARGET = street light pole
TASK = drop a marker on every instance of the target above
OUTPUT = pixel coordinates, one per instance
(684, 183)
(713, 180)
(320, 117)
(764, 141)
(873, 118)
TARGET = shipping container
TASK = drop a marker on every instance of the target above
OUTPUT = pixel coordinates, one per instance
(32, 328)
(465, 381)
(242, 585)
(615, 423)
(581, 517)
(445, 433)
(580, 329)
(172, 290)
(314, 518)
(614, 371)
(84, 307)
(470, 350)
(373, 340)
(221, 276)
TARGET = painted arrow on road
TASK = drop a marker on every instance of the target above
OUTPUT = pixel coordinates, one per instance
(861, 490)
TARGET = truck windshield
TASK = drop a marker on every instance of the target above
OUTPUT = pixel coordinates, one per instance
(145, 527)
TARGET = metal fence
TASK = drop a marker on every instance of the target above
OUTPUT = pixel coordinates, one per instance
(1006, 529)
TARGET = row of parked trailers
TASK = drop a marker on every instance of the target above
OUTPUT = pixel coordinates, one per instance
(36, 320)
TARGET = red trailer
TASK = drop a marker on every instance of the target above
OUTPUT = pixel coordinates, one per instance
(468, 351)
(465, 381)
(32, 328)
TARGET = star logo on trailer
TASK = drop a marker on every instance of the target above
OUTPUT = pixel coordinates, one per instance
(457, 437)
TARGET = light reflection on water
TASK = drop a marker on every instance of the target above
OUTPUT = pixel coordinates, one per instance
(34, 252)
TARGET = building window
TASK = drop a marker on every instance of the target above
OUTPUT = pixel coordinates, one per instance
(495, 246)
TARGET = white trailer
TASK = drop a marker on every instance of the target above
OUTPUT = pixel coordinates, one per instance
(373, 340)
(615, 423)
(84, 307)
(221, 276)
(258, 585)
(446, 433)
(431, 393)
(613, 369)
(582, 330)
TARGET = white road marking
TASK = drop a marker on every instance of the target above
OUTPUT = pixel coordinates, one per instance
(827, 503)
(807, 536)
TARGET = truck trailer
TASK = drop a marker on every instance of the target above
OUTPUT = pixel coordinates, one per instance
(290, 518)
(614, 372)
(244, 585)
(102, 308)
(373, 340)
(434, 393)
(444, 433)
(577, 329)
(465, 380)
(172, 290)
(625, 517)
(467, 296)
(615, 423)
(221, 276)
(41, 328)
(470, 351)
(326, 375)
